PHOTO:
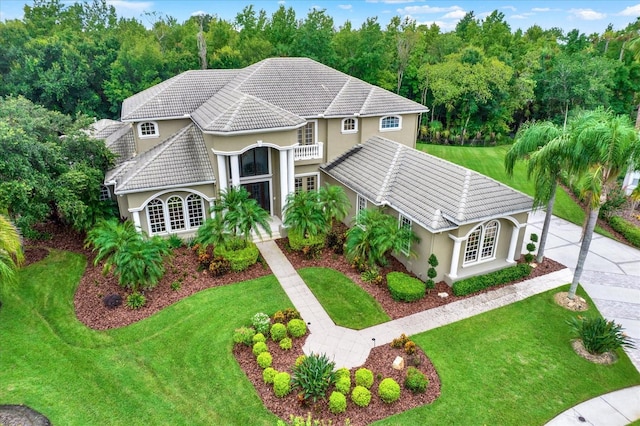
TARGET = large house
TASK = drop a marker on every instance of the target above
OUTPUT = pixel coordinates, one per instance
(290, 124)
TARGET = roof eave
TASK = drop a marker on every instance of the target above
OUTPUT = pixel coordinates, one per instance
(158, 188)
(253, 131)
(176, 117)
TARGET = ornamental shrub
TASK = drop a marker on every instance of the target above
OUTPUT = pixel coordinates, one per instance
(239, 258)
(300, 360)
(342, 372)
(268, 374)
(261, 323)
(599, 335)
(405, 288)
(399, 342)
(473, 284)
(282, 384)
(343, 384)
(364, 377)
(361, 396)
(278, 332)
(389, 390)
(264, 360)
(278, 317)
(136, 300)
(337, 403)
(410, 347)
(286, 344)
(415, 380)
(314, 376)
(309, 246)
(297, 328)
(627, 229)
(259, 347)
(244, 335)
(259, 337)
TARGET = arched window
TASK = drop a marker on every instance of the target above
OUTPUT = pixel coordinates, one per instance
(176, 213)
(349, 125)
(390, 122)
(105, 193)
(148, 129)
(481, 243)
(155, 215)
(195, 210)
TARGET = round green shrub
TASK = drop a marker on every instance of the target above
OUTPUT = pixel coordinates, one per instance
(389, 390)
(244, 335)
(343, 384)
(261, 322)
(300, 360)
(282, 384)
(259, 337)
(416, 381)
(364, 377)
(361, 396)
(297, 328)
(268, 374)
(286, 344)
(343, 372)
(264, 360)
(260, 347)
(278, 332)
(136, 300)
(239, 258)
(337, 403)
(405, 288)
(309, 246)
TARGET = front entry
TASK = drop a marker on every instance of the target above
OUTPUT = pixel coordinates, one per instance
(259, 191)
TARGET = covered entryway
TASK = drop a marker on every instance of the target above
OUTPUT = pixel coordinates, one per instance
(259, 191)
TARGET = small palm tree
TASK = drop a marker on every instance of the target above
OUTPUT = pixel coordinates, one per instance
(303, 213)
(11, 255)
(107, 237)
(213, 232)
(242, 214)
(335, 203)
(141, 263)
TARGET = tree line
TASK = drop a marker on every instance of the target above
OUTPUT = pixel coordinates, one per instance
(481, 81)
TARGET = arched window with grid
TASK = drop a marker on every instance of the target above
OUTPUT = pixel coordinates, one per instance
(195, 210)
(482, 242)
(155, 216)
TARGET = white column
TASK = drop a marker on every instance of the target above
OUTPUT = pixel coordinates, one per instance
(291, 171)
(235, 171)
(211, 205)
(513, 244)
(222, 171)
(136, 220)
(284, 180)
(455, 256)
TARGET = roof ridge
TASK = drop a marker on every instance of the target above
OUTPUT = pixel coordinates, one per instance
(366, 101)
(238, 107)
(463, 197)
(337, 96)
(154, 96)
(160, 148)
(231, 82)
(392, 172)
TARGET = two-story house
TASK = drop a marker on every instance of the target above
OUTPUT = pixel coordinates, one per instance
(289, 124)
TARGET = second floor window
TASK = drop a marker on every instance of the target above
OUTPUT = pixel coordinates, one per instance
(148, 129)
(307, 134)
(349, 125)
(391, 122)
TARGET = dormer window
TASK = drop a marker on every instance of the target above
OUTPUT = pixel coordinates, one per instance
(350, 125)
(148, 129)
(390, 123)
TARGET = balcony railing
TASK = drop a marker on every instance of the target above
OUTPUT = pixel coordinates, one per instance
(309, 152)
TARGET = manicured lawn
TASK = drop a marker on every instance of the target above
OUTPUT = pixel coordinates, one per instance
(511, 366)
(490, 162)
(347, 304)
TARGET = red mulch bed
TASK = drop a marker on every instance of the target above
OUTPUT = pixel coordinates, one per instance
(183, 268)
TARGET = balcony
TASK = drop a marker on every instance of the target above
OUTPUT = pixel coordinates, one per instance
(309, 152)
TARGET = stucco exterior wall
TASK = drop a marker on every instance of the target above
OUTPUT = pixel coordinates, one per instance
(166, 128)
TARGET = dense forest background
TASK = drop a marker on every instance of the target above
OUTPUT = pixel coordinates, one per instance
(480, 81)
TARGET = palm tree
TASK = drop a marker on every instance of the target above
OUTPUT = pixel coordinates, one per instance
(546, 168)
(11, 255)
(107, 237)
(602, 145)
(140, 263)
(241, 213)
(303, 213)
(335, 203)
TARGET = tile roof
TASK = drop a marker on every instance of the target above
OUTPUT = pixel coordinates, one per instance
(182, 159)
(435, 193)
(117, 136)
(271, 92)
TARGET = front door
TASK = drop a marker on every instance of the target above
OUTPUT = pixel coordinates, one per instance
(259, 191)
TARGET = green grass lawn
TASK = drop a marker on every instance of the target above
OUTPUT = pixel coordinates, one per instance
(347, 304)
(511, 366)
(490, 162)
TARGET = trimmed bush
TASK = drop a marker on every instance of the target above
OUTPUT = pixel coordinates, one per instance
(627, 229)
(264, 360)
(405, 288)
(261, 322)
(361, 396)
(259, 347)
(410, 347)
(473, 284)
(278, 332)
(343, 372)
(239, 259)
(415, 380)
(364, 377)
(310, 246)
(343, 384)
(300, 360)
(268, 374)
(259, 337)
(399, 342)
(337, 403)
(286, 344)
(244, 335)
(297, 328)
(282, 384)
(599, 335)
(389, 390)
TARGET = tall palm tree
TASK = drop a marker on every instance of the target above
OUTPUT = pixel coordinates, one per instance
(304, 215)
(11, 255)
(334, 202)
(601, 147)
(545, 168)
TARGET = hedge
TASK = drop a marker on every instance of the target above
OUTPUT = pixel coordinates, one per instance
(473, 284)
(404, 287)
(240, 259)
(627, 229)
(313, 243)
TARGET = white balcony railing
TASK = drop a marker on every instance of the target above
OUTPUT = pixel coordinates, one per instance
(309, 152)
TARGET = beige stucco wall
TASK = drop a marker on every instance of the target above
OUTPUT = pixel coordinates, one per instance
(407, 134)
(166, 128)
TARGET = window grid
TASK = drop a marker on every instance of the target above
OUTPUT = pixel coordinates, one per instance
(306, 134)
(489, 240)
(148, 129)
(176, 213)
(105, 194)
(155, 212)
(349, 125)
(298, 184)
(391, 122)
(195, 210)
(361, 204)
(405, 222)
(481, 243)
(311, 183)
